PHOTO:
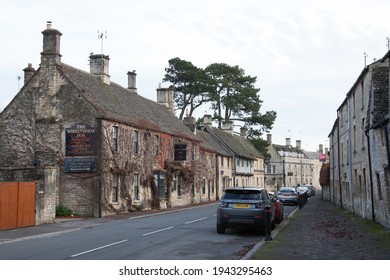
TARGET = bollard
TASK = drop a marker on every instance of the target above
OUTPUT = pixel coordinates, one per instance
(300, 201)
(268, 236)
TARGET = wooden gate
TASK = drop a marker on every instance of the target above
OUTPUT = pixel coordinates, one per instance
(17, 204)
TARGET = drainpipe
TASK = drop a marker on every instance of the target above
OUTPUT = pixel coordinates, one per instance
(338, 156)
(386, 131)
(350, 179)
(369, 166)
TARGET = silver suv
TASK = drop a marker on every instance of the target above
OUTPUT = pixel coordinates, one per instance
(244, 207)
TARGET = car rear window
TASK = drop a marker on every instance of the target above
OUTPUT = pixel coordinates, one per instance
(287, 191)
(242, 194)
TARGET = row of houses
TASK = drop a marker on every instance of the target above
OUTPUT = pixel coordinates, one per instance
(98, 148)
(359, 146)
(291, 166)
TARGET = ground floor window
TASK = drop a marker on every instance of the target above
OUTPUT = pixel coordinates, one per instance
(161, 184)
(115, 188)
(136, 186)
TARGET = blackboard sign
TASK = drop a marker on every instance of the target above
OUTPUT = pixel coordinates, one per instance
(76, 165)
(81, 140)
(180, 152)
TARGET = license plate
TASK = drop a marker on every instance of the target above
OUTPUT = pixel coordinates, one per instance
(241, 205)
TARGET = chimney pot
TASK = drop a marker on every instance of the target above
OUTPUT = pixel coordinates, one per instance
(269, 138)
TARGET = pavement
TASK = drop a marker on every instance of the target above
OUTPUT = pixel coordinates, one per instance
(318, 231)
(323, 231)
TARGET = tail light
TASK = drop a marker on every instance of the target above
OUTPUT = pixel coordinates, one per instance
(260, 204)
(223, 204)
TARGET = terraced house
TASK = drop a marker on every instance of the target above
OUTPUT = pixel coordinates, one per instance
(96, 147)
(359, 146)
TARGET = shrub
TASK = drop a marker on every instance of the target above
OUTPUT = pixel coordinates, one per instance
(62, 211)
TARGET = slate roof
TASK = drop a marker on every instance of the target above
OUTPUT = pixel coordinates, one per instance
(288, 148)
(235, 144)
(209, 143)
(117, 103)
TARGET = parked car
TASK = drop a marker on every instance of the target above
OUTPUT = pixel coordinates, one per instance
(288, 195)
(304, 190)
(279, 208)
(312, 189)
(244, 207)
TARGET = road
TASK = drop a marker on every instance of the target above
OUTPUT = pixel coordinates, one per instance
(185, 235)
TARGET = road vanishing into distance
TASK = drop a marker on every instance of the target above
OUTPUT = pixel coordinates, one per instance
(189, 234)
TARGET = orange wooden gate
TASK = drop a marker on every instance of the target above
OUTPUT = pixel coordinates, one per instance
(17, 204)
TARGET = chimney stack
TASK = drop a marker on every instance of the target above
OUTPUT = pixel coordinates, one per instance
(132, 81)
(298, 144)
(269, 138)
(243, 131)
(99, 66)
(50, 56)
(207, 120)
(288, 141)
(28, 73)
(165, 98)
(227, 126)
(190, 122)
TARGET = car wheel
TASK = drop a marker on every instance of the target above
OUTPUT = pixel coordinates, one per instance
(220, 229)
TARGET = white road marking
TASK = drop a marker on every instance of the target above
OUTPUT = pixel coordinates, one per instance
(197, 220)
(99, 248)
(160, 230)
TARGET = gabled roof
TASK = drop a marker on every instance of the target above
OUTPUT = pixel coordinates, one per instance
(211, 144)
(235, 144)
(116, 103)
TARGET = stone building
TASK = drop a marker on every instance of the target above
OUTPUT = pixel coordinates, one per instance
(290, 166)
(101, 148)
(359, 146)
(240, 163)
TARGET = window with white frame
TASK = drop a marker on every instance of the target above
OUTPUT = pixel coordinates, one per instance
(135, 143)
(115, 136)
(136, 186)
(115, 188)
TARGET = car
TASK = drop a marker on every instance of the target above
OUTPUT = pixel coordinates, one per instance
(244, 207)
(279, 208)
(312, 189)
(288, 195)
(305, 190)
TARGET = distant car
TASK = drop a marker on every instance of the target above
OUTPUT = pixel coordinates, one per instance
(288, 195)
(279, 208)
(244, 207)
(312, 189)
(304, 190)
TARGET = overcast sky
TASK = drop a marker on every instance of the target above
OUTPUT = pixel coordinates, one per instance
(306, 55)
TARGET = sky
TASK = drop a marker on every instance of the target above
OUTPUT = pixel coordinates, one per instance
(306, 54)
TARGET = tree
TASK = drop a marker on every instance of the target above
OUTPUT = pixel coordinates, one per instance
(190, 85)
(231, 94)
